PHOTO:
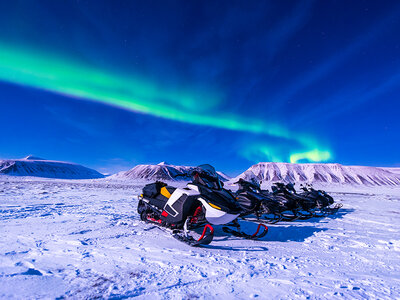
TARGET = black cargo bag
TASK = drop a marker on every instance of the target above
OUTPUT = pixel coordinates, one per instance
(151, 190)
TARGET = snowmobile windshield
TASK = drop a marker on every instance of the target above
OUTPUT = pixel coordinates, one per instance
(207, 176)
(252, 185)
(209, 169)
(255, 183)
(290, 187)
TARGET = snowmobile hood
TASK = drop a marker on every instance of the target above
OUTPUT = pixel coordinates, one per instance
(222, 199)
(217, 216)
(258, 196)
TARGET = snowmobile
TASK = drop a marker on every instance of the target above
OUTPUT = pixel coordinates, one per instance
(305, 205)
(254, 202)
(322, 200)
(267, 207)
(313, 203)
(204, 201)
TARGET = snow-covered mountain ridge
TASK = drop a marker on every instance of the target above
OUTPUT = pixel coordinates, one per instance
(38, 167)
(392, 170)
(265, 171)
(322, 173)
(161, 171)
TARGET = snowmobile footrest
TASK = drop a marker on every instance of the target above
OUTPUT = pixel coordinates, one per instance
(262, 234)
(205, 239)
(332, 210)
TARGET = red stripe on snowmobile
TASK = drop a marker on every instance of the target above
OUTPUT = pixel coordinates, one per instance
(205, 230)
(154, 220)
(198, 211)
(164, 213)
(258, 229)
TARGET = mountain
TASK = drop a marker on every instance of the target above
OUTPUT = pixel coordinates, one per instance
(38, 167)
(393, 170)
(223, 176)
(321, 173)
(31, 157)
(161, 171)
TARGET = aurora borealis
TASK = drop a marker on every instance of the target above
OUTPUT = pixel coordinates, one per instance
(219, 79)
(71, 79)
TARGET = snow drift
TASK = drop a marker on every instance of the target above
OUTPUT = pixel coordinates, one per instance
(161, 171)
(38, 167)
(321, 173)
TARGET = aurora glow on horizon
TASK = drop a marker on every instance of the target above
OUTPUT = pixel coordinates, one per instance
(227, 93)
(72, 79)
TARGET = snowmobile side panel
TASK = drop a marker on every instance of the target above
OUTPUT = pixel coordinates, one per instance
(178, 204)
(164, 191)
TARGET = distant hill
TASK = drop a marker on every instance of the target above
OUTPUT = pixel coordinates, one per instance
(161, 171)
(321, 173)
(39, 167)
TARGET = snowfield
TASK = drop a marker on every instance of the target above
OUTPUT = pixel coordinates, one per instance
(83, 240)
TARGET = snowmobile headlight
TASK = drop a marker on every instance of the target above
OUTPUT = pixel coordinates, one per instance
(214, 206)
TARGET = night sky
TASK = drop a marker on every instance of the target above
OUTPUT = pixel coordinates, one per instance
(112, 84)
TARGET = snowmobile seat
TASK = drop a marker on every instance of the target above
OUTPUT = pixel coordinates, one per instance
(153, 189)
(158, 193)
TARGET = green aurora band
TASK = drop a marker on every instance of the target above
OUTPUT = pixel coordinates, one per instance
(313, 155)
(60, 75)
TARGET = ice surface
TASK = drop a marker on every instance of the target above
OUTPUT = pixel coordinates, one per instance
(84, 240)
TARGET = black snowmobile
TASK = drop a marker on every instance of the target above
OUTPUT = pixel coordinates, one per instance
(322, 199)
(204, 201)
(267, 207)
(254, 202)
(305, 205)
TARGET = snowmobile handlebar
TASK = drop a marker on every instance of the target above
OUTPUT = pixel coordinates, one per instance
(245, 183)
(182, 175)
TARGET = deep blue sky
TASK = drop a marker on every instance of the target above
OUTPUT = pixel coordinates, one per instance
(328, 69)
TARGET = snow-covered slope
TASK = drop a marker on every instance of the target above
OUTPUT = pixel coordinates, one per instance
(38, 167)
(223, 176)
(393, 170)
(161, 171)
(322, 173)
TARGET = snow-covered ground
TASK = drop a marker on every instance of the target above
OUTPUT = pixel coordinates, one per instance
(83, 239)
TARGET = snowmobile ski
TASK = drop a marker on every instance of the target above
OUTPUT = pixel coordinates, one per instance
(238, 233)
(205, 238)
(331, 210)
(185, 237)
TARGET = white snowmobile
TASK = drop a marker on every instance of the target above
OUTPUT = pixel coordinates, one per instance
(204, 201)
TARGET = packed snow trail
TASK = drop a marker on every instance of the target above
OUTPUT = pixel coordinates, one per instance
(83, 239)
